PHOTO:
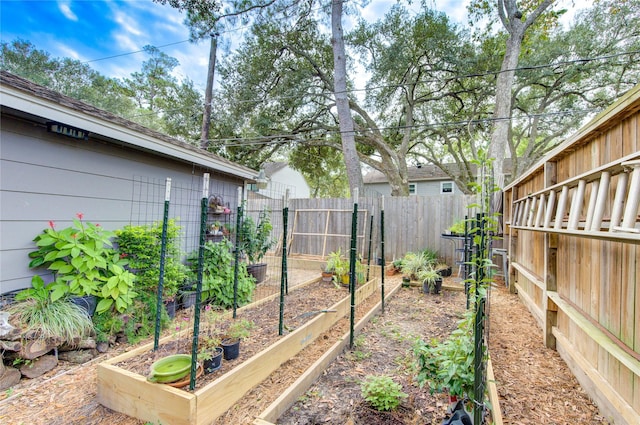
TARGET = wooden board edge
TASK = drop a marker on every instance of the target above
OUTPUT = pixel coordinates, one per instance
(216, 397)
(611, 404)
(494, 398)
(304, 382)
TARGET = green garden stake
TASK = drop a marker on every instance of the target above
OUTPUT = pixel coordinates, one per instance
(283, 279)
(352, 266)
(370, 240)
(163, 251)
(237, 252)
(196, 321)
(382, 253)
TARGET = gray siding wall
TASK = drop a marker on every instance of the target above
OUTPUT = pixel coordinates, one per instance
(423, 188)
(46, 176)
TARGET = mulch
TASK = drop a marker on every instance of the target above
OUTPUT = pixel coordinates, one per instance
(534, 384)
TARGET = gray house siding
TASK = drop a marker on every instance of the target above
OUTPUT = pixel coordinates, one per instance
(115, 177)
(423, 188)
(47, 176)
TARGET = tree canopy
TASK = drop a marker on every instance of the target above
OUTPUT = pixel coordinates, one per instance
(417, 86)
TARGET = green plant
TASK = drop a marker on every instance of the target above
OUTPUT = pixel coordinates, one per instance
(256, 237)
(334, 258)
(218, 274)
(397, 264)
(448, 365)
(412, 263)
(83, 262)
(457, 227)
(382, 392)
(430, 256)
(59, 320)
(141, 246)
(429, 276)
(239, 329)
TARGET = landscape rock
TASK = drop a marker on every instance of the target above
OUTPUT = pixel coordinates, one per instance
(78, 356)
(102, 347)
(35, 348)
(10, 345)
(85, 344)
(39, 366)
(9, 378)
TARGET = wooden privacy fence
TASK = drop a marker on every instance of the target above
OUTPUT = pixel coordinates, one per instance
(574, 244)
(412, 223)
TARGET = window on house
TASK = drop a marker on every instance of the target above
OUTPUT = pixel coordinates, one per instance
(446, 187)
(412, 188)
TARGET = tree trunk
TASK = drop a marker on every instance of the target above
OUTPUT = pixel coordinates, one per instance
(352, 162)
(511, 19)
(208, 94)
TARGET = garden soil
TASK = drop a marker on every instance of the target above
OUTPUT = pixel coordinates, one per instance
(534, 384)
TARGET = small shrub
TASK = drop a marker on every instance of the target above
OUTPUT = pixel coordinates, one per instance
(382, 392)
(59, 320)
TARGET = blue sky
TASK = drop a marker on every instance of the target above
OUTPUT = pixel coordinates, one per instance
(96, 30)
(103, 32)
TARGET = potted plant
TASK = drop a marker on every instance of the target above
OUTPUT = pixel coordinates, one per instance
(59, 321)
(238, 330)
(341, 273)
(396, 267)
(210, 354)
(209, 349)
(443, 269)
(431, 280)
(256, 241)
(458, 227)
(412, 263)
(84, 263)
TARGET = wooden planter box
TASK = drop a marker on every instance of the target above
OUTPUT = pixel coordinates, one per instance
(131, 394)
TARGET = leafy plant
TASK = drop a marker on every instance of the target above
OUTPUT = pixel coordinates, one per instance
(83, 262)
(239, 329)
(333, 259)
(412, 263)
(141, 246)
(457, 227)
(256, 237)
(448, 366)
(382, 392)
(429, 276)
(59, 320)
(218, 275)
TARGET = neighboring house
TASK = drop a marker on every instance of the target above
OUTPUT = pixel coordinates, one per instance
(281, 177)
(424, 180)
(60, 156)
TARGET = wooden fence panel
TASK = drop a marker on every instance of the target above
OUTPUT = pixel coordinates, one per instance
(320, 226)
(586, 284)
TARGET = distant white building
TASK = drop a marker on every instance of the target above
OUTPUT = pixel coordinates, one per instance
(280, 177)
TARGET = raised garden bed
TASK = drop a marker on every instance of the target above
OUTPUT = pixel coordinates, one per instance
(130, 393)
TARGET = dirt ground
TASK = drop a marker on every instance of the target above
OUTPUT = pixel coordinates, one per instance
(534, 384)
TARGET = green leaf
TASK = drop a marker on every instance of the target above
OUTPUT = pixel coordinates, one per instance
(104, 305)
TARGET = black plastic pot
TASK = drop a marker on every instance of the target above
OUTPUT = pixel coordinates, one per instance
(231, 349)
(214, 363)
(258, 271)
(87, 302)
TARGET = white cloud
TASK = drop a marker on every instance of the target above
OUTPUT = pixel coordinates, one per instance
(65, 8)
(65, 51)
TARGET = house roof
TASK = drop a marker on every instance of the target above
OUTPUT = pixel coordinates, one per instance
(32, 100)
(421, 173)
(428, 172)
(271, 168)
